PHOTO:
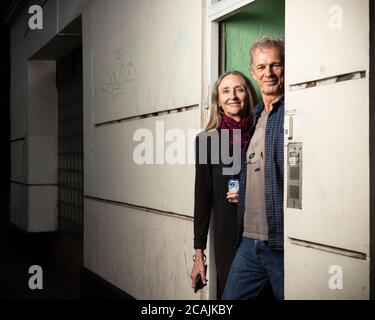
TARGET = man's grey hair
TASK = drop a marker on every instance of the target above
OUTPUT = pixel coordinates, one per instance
(268, 42)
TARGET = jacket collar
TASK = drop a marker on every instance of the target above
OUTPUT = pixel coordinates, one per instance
(260, 106)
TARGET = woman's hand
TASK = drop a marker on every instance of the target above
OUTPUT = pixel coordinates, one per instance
(198, 268)
(232, 196)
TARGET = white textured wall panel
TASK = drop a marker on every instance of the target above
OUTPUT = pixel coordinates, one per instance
(18, 161)
(110, 171)
(114, 175)
(145, 254)
(148, 255)
(146, 56)
(42, 159)
(335, 174)
(42, 98)
(325, 38)
(331, 120)
(42, 209)
(18, 205)
(42, 122)
(307, 275)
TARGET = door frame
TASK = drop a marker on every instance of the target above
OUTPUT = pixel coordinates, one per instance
(217, 12)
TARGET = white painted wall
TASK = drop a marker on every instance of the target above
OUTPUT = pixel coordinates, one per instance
(336, 165)
(117, 177)
(18, 205)
(308, 277)
(42, 209)
(144, 253)
(154, 51)
(316, 25)
(42, 146)
(34, 117)
(19, 166)
(332, 122)
(42, 122)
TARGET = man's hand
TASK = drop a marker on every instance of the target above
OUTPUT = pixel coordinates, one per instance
(198, 268)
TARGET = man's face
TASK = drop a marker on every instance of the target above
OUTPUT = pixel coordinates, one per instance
(268, 71)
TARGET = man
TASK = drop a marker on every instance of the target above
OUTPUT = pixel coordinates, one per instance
(260, 257)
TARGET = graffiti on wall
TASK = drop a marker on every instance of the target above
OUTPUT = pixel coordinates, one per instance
(118, 79)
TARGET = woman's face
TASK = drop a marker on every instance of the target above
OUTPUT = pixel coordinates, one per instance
(232, 96)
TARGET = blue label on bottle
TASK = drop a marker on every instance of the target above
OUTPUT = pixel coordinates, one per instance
(233, 185)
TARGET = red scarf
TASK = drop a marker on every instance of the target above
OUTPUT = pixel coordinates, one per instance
(231, 124)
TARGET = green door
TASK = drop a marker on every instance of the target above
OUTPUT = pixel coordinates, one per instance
(262, 17)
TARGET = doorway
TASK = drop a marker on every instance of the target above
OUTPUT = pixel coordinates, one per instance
(262, 17)
(70, 146)
(234, 25)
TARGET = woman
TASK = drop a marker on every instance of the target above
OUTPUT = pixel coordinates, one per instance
(233, 99)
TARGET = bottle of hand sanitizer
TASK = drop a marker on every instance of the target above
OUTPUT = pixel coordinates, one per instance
(233, 184)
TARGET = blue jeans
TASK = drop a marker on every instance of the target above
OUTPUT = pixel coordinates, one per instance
(253, 266)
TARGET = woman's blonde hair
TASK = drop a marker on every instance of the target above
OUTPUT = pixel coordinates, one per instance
(216, 113)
